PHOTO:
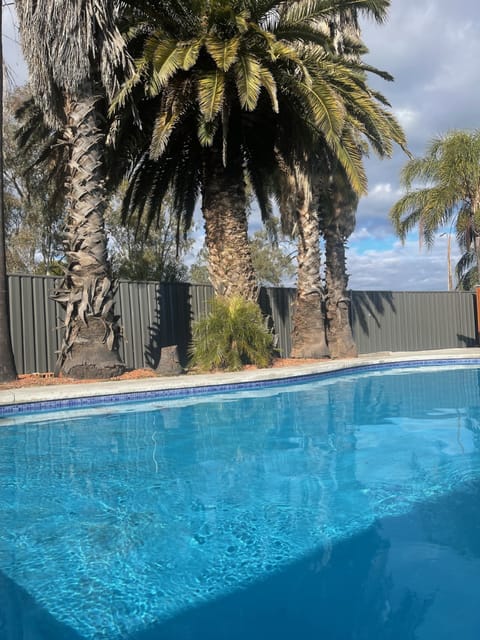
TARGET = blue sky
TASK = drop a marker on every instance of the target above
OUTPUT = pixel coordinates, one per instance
(432, 48)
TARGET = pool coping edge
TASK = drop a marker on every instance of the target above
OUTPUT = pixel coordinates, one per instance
(24, 400)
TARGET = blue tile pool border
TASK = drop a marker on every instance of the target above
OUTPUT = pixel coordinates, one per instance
(18, 408)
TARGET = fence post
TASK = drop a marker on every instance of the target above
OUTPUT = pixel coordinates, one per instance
(477, 291)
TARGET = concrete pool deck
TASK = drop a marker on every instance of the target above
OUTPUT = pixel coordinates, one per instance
(114, 387)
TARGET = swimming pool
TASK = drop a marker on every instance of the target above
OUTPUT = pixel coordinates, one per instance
(338, 507)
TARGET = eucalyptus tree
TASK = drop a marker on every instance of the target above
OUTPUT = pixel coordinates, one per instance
(7, 362)
(34, 181)
(235, 90)
(443, 188)
(76, 56)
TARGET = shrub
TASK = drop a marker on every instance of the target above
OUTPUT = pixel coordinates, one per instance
(233, 333)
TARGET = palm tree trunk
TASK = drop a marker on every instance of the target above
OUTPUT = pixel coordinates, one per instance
(339, 331)
(341, 224)
(8, 371)
(224, 207)
(90, 344)
(308, 333)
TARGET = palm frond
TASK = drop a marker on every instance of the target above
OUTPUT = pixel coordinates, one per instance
(165, 58)
(248, 79)
(223, 52)
(211, 91)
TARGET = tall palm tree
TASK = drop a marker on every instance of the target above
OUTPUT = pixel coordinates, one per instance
(331, 212)
(340, 205)
(76, 56)
(308, 338)
(7, 362)
(449, 175)
(236, 90)
(338, 208)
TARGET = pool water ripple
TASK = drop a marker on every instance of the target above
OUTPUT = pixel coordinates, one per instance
(121, 522)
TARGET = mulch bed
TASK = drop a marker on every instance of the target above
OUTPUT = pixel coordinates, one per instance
(48, 379)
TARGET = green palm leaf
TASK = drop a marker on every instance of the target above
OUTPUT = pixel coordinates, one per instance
(211, 91)
(206, 132)
(223, 52)
(268, 82)
(162, 130)
(248, 78)
(166, 58)
(324, 108)
(189, 53)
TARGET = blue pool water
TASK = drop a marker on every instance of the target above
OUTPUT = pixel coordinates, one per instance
(345, 508)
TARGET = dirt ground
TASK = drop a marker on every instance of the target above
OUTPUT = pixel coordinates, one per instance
(48, 379)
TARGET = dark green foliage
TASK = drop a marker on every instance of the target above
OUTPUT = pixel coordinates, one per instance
(233, 333)
(138, 255)
(249, 78)
(34, 188)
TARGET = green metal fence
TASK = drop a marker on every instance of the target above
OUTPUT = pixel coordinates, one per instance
(155, 315)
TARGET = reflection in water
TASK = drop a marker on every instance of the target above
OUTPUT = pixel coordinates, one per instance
(343, 508)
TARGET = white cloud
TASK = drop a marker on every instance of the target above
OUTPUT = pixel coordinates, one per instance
(383, 192)
(407, 117)
(401, 267)
(360, 234)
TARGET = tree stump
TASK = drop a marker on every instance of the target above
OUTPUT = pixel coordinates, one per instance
(169, 364)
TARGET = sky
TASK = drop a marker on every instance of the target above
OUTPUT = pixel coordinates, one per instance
(432, 48)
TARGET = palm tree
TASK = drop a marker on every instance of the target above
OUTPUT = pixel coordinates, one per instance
(333, 212)
(340, 204)
(338, 209)
(308, 339)
(236, 90)
(465, 271)
(76, 56)
(450, 194)
(7, 362)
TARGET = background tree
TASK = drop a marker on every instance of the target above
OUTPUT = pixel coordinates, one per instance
(273, 260)
(7, 362)
(140, 253)
(449, 193)
(76, 55)
(198, 271)
(34, 178)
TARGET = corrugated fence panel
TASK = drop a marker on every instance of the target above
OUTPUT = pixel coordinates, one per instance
(123, 308)
(33, 323)
(16, 328)
(201, 294)
(136, 304)
(409, 321)
(157, 315)
(153, 316)
(277, 303)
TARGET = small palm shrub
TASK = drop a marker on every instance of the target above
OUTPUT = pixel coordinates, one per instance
(233, 333)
